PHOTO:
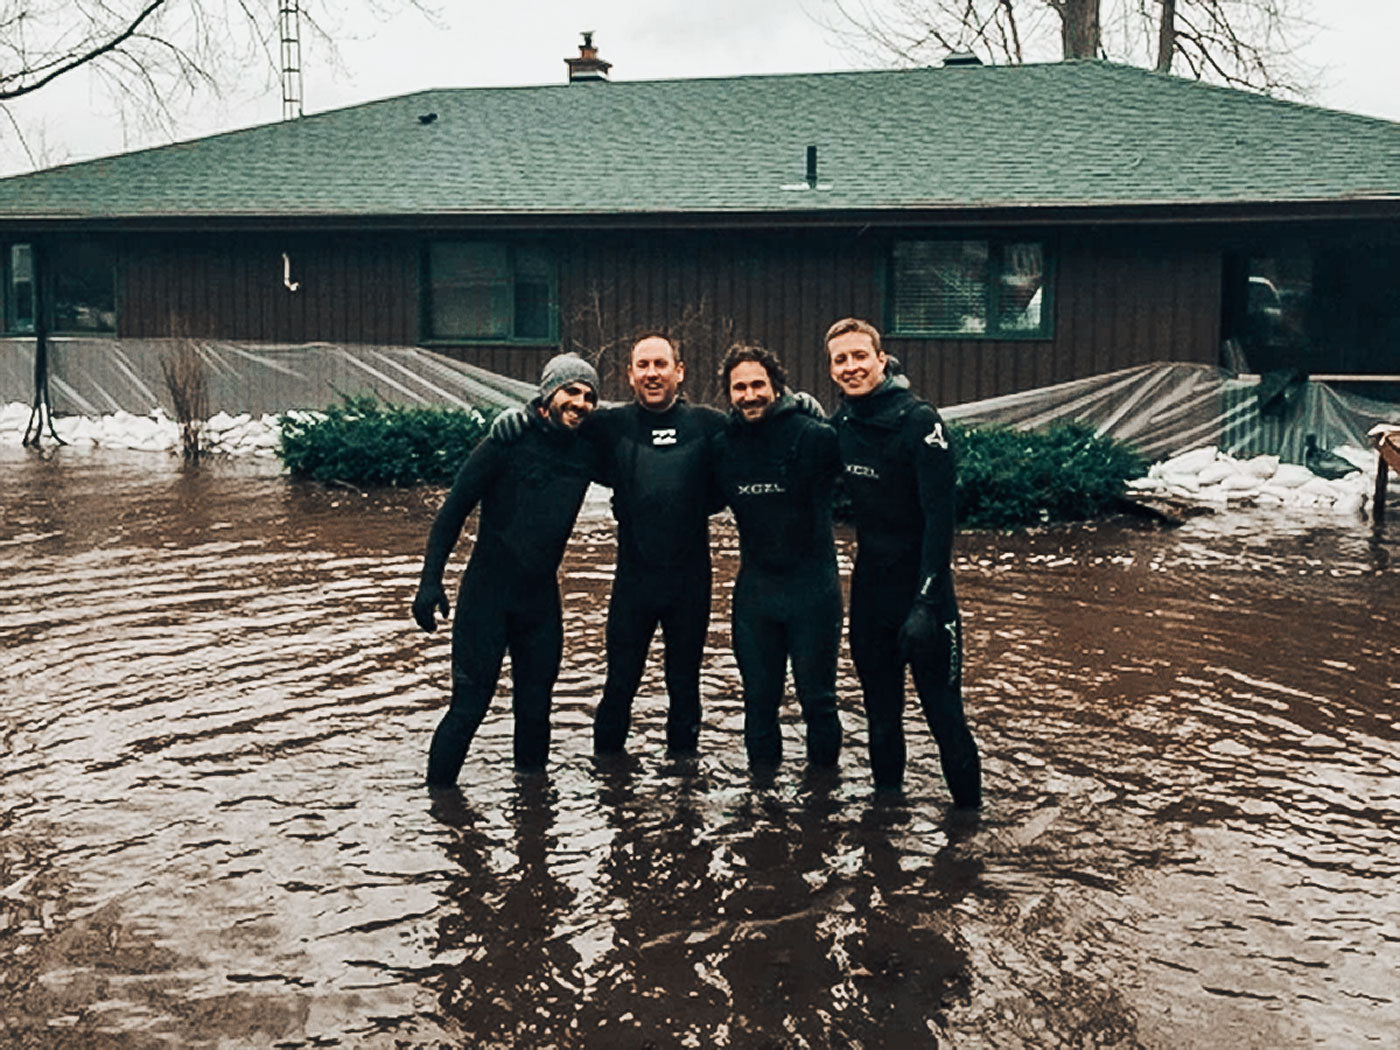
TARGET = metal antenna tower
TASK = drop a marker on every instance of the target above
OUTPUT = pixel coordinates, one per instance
(289, 29)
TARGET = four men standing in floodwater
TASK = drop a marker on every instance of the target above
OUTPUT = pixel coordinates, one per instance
(672, 464)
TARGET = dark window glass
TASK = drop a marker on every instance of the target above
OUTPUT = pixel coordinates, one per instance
(490, 290)
(1020, 288)
(1278, 297)
(84, 288)
(534, 284)
(969, 288)
(940, 286)
(19, 305)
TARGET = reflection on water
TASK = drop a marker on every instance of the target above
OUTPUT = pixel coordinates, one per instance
(213, 830)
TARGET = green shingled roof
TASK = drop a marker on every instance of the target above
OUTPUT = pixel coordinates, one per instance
(1077, 133)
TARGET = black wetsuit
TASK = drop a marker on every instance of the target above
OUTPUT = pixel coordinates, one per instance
(530, 493)
(657, 464)
(777, 473)
(899, 471)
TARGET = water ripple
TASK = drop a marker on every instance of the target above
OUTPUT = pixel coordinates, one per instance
(213, 830)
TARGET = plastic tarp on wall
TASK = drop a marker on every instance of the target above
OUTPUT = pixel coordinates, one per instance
(1162, 409)
(95, 377)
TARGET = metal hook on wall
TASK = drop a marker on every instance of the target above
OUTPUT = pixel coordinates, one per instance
(292, 285)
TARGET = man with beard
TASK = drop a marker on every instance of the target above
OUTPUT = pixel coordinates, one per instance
(654, 454)
(899, 472)
(530, 495)
(776, 466)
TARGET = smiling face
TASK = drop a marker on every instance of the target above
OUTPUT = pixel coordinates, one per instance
(856, 366)
(654, 373)
(570, 404)
(751, 390)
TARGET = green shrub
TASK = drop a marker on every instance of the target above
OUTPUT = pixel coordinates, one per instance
(366, 442)
(1012, 478)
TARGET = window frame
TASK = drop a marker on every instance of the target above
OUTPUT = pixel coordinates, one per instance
(43, 291)
(7, 307)
(996, 252)
(427, 337)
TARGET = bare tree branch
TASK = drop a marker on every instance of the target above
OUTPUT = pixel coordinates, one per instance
(153, 59)
(58, 66)
(1252, 44)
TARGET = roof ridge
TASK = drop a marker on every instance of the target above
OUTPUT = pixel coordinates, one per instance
(1193, 83)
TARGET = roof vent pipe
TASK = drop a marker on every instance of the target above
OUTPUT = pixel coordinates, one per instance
(587, 66)
(812, 167)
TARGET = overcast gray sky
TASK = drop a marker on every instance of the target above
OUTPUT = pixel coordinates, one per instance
(525, 43)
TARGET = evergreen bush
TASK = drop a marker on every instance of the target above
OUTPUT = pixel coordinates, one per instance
(1011, 478)
(1006, 478)
(364, 441)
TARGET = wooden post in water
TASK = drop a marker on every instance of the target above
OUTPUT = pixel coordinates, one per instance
(1387, 459)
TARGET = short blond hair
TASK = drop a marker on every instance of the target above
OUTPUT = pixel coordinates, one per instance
(853, 324)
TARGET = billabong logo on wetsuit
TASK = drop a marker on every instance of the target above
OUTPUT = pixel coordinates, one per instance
(665, 436)
(860, 470)
(935, 437)
(760, 488)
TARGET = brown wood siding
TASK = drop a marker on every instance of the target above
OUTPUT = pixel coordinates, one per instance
(1117, 302)
(351, 290)
(711, 290)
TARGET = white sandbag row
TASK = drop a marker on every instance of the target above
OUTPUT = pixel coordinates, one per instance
(241, 434)
(1210, 477)
(221, 434)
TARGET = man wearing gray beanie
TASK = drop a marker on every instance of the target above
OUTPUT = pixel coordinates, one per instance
(509, 596)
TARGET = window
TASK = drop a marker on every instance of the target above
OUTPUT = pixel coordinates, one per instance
(1278, 295)
(84, 288)
(976, 289)
(490, 290)
(80, 282)
(19, 292)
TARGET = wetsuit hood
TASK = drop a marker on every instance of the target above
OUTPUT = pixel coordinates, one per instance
(884, 406)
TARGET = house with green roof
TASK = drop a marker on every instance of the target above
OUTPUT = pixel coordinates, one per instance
(1007, 227)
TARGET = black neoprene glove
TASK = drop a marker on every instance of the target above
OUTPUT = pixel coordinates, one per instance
(507, 427)
(808, 405)
(430, 597)
(919, 632)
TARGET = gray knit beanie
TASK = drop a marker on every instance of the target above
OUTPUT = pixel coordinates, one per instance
(562, 370)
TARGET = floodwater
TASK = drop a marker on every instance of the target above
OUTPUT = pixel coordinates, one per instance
(213, 831)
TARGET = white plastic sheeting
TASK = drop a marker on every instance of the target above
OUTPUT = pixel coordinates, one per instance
(1164, 409)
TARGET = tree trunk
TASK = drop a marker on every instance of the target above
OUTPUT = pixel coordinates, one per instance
(1079, 28)
(1166, 36)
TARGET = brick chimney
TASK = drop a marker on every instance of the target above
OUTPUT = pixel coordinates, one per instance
(587, 66)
